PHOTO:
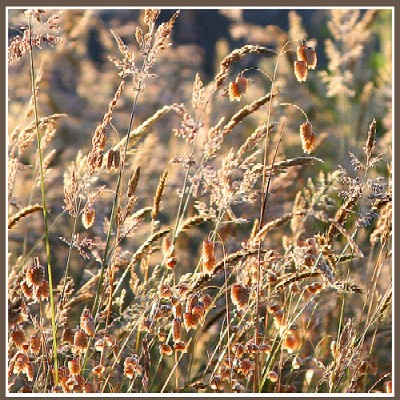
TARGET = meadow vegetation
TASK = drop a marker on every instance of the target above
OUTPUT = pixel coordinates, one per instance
(170, 231)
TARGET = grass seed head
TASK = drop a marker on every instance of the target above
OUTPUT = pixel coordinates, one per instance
(240, 296)
(300, 70)
(308, 137)
(88, 217)
(237, 88)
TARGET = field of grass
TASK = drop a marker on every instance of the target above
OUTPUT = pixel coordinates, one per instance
(176, 230)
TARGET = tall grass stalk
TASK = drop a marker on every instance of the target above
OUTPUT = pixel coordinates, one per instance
(43, 191)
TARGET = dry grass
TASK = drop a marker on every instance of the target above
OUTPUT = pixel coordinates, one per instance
(219, 259)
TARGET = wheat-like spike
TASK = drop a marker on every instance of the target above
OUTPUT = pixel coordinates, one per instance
(142, 249)
(12, 221)
(292, 162)
(245, 111)
(340, 217)
(237, 55)
(262, 233)
(133, 181)
(198, 219)
(159, 192)
(229, 259)
(141, 213)
(137, 133)
(386, 303)
(295, 277)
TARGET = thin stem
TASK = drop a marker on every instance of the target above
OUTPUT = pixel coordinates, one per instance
(46, 227)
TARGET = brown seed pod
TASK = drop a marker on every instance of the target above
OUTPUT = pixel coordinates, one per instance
(271, 277)
(279, 319)
(171, 262)
(35, 344)
(224, 373)
(80, 341)
(26, 290)
(62, 372)
(180, 346)
(74, 367)
(176, 330)
(308, 137)
(207, 300)
(272, 376)
(177, 310)
(146, 324)
(387, 386)
(166, 349)
(88, 388)
(183, 289)
(165, 292)
(191, 301)
(198, 311)
(300, 70)
(295, 287)
(130, 367)
(110, 159)
(190, 320)
(117, 159)
(129, 371)
(308, 55)
(314, 287)
(252, 348)
(238, 350)
(72, 383)
(240, 296)
(99, 370)
(41, 293)
(87, 322)
(245, 367)
(265, 348)
(274, 308)
(162, 336)
(208, 257)
(88, 217)
(67, 336)
(20, 361)
(18, 338)
(35, 274)
(292, 340)
(29, 371)
(237, 88)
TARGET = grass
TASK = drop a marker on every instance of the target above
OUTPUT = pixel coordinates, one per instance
(227, 257)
